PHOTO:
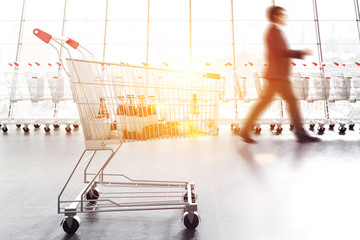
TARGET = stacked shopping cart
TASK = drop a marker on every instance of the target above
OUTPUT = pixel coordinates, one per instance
(327, 97)
(33, 96)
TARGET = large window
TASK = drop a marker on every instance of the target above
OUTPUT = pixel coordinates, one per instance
(126, 31)
(47, 16)
(177, 32)
(208, 35)
(211, 32)
(249, 25)
(85, 22)
(338, 29)
(169, 33)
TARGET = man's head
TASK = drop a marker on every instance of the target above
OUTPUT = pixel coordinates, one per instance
(276, 14)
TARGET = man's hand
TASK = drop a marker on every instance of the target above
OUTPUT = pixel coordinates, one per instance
(307, 52)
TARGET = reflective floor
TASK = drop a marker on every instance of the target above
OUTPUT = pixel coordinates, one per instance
(276, 189)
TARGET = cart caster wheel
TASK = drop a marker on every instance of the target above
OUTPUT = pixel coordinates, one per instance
(321, 130)
(26, 129)
(272, 126)
(36, 125)
(56, 125)
(76, 125)
(47, 129)
(68, 129)
(193, 197)
(232, 126)
(279, 130)
(331, 127)
(18, 125)
(342, 130)
(257, 130)
(4, 129)
(237, 129)
(92, 194)
(292, 127)
(351, 127)
(311, 126)
(71, 224)
(191, 220)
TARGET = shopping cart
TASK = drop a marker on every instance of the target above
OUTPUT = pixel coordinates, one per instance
(120, 103)
(274, 116)
(61, 97)
(316, 92)
(354, 86)
(251, 87)
(354, 113)
(17, 93)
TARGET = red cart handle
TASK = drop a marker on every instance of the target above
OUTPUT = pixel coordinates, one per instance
(72, 43)
(47, 37)
(42, 35)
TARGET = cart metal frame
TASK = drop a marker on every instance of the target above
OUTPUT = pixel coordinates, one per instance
(98, 191)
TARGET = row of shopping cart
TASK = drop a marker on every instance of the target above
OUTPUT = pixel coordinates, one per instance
(33, 94)
(325, 97)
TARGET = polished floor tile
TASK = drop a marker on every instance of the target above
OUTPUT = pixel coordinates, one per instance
(276, 189)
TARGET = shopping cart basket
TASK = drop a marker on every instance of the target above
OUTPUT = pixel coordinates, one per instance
(17, 93)
(119, 103)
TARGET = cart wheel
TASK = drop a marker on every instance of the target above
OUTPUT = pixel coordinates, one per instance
(76, 125)
(92, 194)
(279, 130)
(272, 126)
(321, 130)
(68, 129)
(257, 130)
(331, 127)
(18, 125)
(351, 126)
(191, 220)
(56, 125)
(193, 197)
(342, 130)
(47, 129)
(232, 126)
(5, 129)
(74, 224)
(237, 129)
(292, 127)
(26, 129)
(311, 126)
(36, 125)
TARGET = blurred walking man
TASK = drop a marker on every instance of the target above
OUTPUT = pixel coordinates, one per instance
(276, 77)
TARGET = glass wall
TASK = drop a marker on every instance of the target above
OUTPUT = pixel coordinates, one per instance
(126, 31)
(177, 32)
(10, 14)
(47, 16)
(338, 29)
(169, 32)
(249, 25)
(204, 35)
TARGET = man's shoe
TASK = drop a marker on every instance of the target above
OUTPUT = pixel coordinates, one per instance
(246, 138)
(307, 139)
